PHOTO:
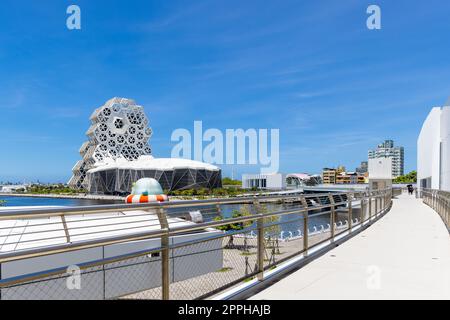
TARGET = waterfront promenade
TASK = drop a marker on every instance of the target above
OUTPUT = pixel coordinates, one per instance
(405, 255)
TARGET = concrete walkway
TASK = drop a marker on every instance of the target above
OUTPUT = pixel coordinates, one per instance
(405, 255)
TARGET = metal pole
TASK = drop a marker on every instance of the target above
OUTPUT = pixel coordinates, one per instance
(362, 209)
(165, 254)
(447, 213)
(260, 224)
(387, 199)
(376, 203)
(438, 203)
(350, 213)
(332, 217)
(66, 230)
(305, 227)
(434, 200)
(260, 243)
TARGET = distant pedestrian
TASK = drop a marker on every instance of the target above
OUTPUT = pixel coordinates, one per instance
(410, 189)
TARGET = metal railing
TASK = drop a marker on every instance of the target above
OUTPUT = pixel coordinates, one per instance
(440, 201)
(153, 251)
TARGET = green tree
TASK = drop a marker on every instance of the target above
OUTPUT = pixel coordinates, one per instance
(230, 182)
(243, 212)
(407, 178)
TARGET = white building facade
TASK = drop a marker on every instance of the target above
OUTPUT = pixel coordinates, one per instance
(380, 173)
(271, 181)
(433, 150)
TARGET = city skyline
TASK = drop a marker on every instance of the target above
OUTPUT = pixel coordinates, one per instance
(332, 87)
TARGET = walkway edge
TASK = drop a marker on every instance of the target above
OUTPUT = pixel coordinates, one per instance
(252, 287)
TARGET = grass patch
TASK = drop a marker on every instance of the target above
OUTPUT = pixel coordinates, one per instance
(224, 269)
(248, 279)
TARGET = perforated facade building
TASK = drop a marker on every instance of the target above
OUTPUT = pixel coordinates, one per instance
(117, 154)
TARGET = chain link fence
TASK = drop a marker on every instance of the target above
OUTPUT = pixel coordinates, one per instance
(188, 261)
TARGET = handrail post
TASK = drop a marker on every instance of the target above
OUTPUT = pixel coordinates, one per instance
(350, 213)
(66, 230)
(260, 224)
(444, 208)
(446, 212)
(332, 217)
(362, 208)
(370, 206)
(385, 199)
(165, 254)
(260, 242)
(430, 198)
(376, 202)
(434, 200)
(305, 227)
(439, 202)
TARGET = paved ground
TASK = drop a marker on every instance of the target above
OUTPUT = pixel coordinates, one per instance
(405, 255)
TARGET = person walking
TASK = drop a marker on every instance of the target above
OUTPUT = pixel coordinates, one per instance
(410, 189)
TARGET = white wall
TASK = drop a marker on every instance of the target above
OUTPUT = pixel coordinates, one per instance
(433, 149)
(380, 168)
(428, 149)
(273, 180)
(380, 173)
(445, 149)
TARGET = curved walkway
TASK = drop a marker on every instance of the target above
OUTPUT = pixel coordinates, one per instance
(405, 255)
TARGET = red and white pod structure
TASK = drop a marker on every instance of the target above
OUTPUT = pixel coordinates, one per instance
(146, 199)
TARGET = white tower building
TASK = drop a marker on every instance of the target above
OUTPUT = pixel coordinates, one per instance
(119, 129)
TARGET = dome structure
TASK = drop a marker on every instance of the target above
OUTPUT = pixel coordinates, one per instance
(146, 186)
(117, 176)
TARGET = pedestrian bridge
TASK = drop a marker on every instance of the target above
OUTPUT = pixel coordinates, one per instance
(358, 244)
(405, 255)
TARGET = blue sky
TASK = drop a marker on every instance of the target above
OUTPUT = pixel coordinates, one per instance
(310, 68)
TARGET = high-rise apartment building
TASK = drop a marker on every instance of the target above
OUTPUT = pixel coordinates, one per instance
(363, 168)
(388, 150)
